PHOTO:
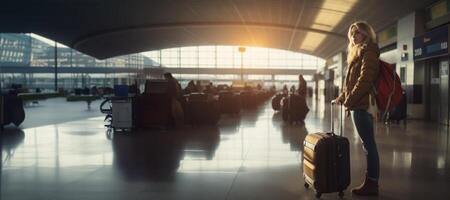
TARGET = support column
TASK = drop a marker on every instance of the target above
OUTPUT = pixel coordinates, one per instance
(56, 66)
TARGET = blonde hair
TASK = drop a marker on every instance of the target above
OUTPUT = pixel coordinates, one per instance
(354, 50)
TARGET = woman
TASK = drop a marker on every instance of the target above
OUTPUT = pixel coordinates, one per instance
(357, 96)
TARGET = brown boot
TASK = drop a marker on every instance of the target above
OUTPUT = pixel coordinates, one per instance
(368, 188)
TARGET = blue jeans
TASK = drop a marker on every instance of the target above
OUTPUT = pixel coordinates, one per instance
(364, 126)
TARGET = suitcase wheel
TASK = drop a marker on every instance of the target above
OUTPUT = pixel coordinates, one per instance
(318, 194)
(306, 185)
(341, 194)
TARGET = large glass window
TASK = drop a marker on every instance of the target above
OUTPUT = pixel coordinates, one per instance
(30, 50)
(230, 57)
(225, 56)
(206, 55)
(189, 57)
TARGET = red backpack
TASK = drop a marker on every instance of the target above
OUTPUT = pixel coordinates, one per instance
(388, 88)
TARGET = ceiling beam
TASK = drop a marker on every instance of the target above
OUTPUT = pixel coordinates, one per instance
(106, 32)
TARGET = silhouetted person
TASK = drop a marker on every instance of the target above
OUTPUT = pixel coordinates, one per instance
(292, 89)
(301, 86)
(285, 90)
(258, 87)
(174, 88)
(199, 86)
(94, 90)
(190, 88)
(210, 89)
(273, 88)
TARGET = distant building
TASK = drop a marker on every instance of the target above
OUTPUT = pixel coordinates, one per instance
(15, 49)
(39, 51)
(24, 50)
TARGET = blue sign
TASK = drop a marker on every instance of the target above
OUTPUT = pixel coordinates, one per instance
(431, 44)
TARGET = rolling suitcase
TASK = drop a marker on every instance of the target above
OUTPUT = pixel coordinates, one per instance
(276, 101)
(399, 112)
(298, 109)
(122, 113)
(13, 111)
(326, 161)
(229, 102)
(201, 109)
(294, 108)
(248, 100)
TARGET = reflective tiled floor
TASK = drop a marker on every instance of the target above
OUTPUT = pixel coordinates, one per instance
(250, 156)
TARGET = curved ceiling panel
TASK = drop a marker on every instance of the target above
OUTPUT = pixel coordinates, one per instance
(107, 28)
(138, 39)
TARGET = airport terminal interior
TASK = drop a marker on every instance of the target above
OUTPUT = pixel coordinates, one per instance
(202, 99)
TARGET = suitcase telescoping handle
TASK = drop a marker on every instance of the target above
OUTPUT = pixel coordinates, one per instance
(333, 102)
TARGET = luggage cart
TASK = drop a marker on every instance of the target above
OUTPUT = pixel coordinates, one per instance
(119, 113)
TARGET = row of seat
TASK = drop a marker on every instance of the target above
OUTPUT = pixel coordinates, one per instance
(157, 108)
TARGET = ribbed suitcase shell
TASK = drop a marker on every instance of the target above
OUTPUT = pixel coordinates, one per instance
(326, 162)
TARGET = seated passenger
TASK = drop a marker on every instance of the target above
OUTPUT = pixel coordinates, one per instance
(190, 88)
(292, 89)
(210, 89)
(199, 86)
(259, 87)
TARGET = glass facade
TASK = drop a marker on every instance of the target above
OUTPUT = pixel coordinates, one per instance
(26, 50)
(15, 49)
(29, 50)
(230, 57)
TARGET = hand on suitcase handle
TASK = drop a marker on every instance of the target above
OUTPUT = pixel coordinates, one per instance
(337, 101)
